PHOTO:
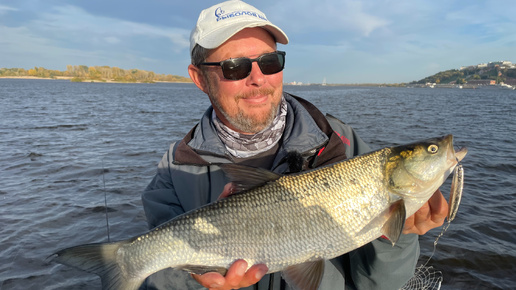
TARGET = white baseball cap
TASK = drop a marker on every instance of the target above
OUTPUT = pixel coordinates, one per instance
(220, 22)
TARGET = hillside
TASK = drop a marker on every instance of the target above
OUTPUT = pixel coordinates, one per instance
(493, 72)
(80, 73)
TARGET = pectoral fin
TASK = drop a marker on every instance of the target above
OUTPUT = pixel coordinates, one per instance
(306, 276)
(391, 221)
(393, 227)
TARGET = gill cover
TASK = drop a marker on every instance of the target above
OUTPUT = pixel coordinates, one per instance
(414, 167)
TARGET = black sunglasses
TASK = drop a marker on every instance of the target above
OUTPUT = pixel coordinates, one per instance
(240, 68)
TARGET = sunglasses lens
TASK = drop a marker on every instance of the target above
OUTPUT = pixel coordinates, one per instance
(237, 68)
(272, 63)
(240, 68)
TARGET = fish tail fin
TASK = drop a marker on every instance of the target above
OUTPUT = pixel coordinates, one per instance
(99, 259)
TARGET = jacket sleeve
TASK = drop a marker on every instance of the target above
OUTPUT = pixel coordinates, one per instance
(161, 203)
(377, 265)
(160, 200)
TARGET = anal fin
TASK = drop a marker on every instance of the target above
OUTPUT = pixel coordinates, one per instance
(306, 276)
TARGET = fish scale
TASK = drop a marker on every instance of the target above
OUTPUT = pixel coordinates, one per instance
(289, 222)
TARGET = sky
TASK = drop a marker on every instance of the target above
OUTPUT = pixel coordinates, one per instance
(340, 41)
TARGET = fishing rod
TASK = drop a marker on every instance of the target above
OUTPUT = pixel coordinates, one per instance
(105, 201)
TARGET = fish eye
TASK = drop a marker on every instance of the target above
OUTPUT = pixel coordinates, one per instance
(432, 149)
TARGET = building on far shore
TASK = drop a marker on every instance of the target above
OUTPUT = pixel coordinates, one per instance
(481, 82)
(501, 64)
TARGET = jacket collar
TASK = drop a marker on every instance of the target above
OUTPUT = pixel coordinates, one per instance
(306, 130)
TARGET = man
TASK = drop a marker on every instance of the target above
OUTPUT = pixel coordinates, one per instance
(253, 122)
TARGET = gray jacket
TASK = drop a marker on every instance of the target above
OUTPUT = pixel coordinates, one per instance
(188, 177)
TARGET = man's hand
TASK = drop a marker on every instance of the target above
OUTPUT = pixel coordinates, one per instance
(228, 190)
(235, 278)
(430, 215)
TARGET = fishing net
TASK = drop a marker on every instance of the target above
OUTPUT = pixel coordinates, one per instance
(425, 278)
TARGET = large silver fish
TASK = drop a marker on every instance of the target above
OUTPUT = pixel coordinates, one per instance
(290, 223)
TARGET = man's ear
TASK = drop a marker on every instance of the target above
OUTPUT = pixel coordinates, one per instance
(197, 77)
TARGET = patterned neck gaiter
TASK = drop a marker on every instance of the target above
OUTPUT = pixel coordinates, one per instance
(244, 146)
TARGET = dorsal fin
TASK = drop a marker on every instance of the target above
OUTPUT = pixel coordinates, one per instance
(246, 177)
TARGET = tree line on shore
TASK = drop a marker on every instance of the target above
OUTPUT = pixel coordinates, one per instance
(80, 73)
(497, 74)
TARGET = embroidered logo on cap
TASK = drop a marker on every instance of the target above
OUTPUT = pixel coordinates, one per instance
(221, 14)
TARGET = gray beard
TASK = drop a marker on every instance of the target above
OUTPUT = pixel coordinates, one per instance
(247, 145)
(244, 123)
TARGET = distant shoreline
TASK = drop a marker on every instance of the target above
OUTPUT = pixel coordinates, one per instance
(87, 80)
(36, 78)
(118, 82)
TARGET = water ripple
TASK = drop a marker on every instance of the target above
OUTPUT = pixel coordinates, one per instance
(65, 145)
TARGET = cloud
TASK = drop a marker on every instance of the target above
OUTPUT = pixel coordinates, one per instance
(112, 39)
(5, 9)
(347, 16)
(22, 48)
(74, 24)
(57, 36)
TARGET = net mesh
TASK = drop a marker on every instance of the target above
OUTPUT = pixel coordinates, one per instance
(425, 278)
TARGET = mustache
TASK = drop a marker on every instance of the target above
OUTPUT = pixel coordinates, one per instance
(265, 91)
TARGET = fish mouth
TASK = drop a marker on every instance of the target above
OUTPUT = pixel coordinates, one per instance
(453, 155)
(461, 153)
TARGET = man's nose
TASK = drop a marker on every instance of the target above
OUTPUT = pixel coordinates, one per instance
(256, 77)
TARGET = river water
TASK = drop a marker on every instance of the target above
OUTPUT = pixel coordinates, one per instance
(64, 146)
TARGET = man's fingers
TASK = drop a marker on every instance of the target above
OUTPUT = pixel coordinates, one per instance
(409, 225)
(429, 216)
(236, 277)
(227, 191)
(253, 275)
(438, 207)
(423, 214)
(210, 280)
(236, 273)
